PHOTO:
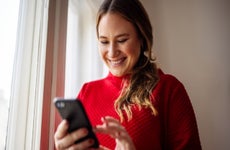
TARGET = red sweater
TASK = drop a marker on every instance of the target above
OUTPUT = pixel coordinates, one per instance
(174, 128)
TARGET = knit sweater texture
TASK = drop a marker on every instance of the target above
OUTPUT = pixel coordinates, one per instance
(174, 128)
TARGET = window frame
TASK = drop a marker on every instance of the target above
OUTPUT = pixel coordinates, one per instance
(24, 124)
(54, 69)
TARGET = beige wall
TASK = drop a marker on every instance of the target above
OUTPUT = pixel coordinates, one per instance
(192, 42)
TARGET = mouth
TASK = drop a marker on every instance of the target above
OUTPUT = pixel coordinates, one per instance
(117, 62)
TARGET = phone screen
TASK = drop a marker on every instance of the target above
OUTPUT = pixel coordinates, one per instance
(73, 111)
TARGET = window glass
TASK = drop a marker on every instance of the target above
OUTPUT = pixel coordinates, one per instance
(83, 62)
(8, 30)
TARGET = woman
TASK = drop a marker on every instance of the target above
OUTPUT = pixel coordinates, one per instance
(136, 106)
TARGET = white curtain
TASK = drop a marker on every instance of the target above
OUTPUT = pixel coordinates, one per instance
(83, 62)
(25, 110)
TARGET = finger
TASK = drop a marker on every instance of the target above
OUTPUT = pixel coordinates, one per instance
(109, 128)
(107, 121)
(70, 138)
(100, 148)
(61, 130)
(82, 145)
(112, 127)
(103, 148)
(110, 119)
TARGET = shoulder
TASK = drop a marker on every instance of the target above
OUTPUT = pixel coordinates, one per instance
(177, 113)
(94, 84)
(168, 80)
(90, 86)
(168, 87)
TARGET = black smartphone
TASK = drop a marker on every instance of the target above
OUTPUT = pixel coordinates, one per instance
(73, 111)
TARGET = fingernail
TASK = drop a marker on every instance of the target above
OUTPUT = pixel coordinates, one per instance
(102, 119)
(94, 128)
(91, 141)
(84, 131)
(65, 122)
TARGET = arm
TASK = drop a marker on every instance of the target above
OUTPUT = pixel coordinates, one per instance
(181, 127)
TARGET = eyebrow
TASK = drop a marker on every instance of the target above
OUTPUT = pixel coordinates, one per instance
(117, 36)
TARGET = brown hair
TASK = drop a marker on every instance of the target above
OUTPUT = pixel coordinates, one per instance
(144, 75)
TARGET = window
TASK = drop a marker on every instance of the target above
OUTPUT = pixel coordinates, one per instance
(37, 68)
(71, 41)
(25, 107)
(8, 30)
(71, 57)
(83, 62)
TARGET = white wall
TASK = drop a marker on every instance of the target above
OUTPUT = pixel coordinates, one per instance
(191, 42)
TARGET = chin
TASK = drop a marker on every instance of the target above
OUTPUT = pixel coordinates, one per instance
(117, 74)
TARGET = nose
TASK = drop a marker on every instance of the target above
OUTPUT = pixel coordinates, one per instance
(112, 50)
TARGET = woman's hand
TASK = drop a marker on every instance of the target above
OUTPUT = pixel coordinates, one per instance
(64, 140)
(114, 128)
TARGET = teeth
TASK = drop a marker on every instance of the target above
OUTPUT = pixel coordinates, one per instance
(116, 62)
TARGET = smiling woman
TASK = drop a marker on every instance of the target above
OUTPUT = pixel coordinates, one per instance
(134, 91)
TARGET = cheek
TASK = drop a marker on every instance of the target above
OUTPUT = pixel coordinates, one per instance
(101, 51)
(134, 52)
(136, 55)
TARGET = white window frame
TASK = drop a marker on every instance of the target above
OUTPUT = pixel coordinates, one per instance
(25, 113)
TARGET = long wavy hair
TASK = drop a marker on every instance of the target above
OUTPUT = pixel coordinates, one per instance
(137, 90)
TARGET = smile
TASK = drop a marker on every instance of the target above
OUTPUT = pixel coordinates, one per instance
(117, 62)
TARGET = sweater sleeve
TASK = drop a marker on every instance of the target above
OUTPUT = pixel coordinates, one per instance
(181, 127)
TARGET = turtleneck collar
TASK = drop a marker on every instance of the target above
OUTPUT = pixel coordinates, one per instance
(118, 81)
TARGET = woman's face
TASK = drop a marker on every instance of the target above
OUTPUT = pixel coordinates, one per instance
(119, 45)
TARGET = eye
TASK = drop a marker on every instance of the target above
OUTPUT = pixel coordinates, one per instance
(122, 40)
(104, 42)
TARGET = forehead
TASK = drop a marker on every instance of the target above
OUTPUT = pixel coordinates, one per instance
(114, 23)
